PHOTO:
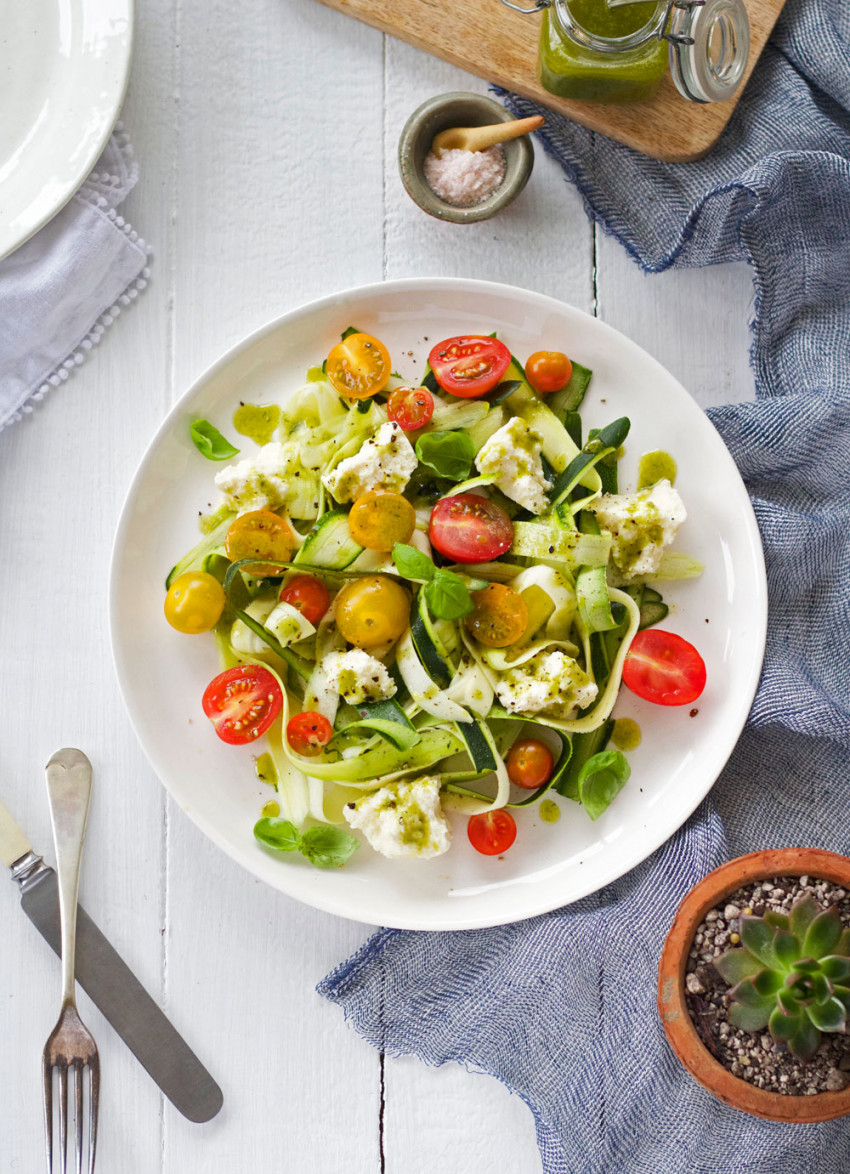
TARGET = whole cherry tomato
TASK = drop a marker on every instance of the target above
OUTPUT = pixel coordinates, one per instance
(378, 520)
(194, 602)
(372, 611)
(492, 832)
(309, 595)
(530, 763)
(548, 371)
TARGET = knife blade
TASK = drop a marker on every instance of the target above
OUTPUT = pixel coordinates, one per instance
(107, 979)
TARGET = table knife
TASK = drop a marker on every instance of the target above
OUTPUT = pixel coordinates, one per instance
(111, 985)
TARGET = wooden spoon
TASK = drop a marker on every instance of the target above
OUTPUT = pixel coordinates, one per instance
(479, 138)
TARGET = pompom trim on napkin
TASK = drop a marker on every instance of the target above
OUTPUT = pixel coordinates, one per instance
(114, 176)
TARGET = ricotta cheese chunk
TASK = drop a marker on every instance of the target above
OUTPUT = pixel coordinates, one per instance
(357, 676)
(551, 683)
(386, 461)
(258, 482)
(642, 524)
(511, 457)
(403, 820)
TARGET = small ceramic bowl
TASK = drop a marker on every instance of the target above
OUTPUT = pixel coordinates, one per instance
(460, 109)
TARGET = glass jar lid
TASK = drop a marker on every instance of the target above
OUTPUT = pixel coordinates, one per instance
(709, 49)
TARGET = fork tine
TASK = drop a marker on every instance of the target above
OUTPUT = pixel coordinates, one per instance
(47, 1080)
(78, 1115)
(94, 1093)
(62, 1069)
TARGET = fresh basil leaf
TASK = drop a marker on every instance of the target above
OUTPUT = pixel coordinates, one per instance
(277, 833)
(412, 563)
(601, 779)
(349, 330)
(209, 442)
(448, 596)
(328, 847)
(449, 454)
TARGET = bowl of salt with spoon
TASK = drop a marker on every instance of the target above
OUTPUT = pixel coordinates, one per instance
(463, 158)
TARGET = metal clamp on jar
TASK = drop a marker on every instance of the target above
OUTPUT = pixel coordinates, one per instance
(620, 50)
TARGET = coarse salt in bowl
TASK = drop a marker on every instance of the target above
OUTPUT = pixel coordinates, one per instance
(465, 178)
(435, 194)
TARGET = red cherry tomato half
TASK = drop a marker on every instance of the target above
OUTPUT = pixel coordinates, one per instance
(242, 703)
(492, 832)
(470, 529)
(663, 668)
(307, 733)
(548, 371)
(309, 595)
(410, 407)
(469, 365)
(530, 763)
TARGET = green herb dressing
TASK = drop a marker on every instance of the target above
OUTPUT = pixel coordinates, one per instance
(270, 810)
(266, 770)
(571, 70)
(626, 734)
(656, 466)
(549, 812)
(257, 421)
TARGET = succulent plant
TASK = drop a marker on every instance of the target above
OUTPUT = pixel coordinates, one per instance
(791, 975)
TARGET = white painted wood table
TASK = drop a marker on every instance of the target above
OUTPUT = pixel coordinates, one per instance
(266, 134)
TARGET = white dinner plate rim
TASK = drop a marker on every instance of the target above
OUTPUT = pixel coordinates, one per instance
(423, 284)
(116, 79)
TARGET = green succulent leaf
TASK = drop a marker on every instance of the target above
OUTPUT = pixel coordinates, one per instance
(768, 983)
(803, 912)
(748, 995)
(758, 939)
(805, 1041)
(786, 947)
(736, 965)
(843, 947)
(805, 966)
(842, 993)
(782, 1026)
(788, 1001)
(821, 988)
(823, 934)
(749, 1018)
(828, 1016)
(776, 919)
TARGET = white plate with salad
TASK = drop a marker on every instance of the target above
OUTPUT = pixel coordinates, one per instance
(438, 604)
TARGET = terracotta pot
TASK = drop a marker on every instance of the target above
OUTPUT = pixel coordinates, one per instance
(678, 1025)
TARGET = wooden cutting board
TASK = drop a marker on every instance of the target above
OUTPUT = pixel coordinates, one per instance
(496, 43)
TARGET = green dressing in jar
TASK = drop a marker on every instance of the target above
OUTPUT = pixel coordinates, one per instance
(610, 67)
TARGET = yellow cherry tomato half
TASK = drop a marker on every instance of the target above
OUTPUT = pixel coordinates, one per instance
(260, 534)
(499, 617)
(194, 602)
(371, 611)
(379, 520)
(548, 371)
(359, 366)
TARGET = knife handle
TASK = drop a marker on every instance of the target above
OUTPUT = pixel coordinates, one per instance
(13, 842)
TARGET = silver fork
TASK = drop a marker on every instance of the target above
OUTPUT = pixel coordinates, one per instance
(70, 1045)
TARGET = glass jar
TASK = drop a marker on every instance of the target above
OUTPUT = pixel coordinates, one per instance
(620, 50)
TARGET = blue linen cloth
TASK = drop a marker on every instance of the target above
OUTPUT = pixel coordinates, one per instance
(561, 1008)
(63, 288)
